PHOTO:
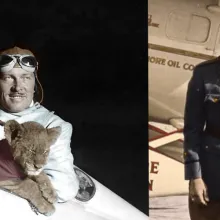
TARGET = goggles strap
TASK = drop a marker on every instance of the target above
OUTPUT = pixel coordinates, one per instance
(41, 88)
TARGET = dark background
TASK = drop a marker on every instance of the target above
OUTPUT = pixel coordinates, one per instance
(91, 56)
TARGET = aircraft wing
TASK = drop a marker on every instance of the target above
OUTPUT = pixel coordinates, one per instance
(166, 165)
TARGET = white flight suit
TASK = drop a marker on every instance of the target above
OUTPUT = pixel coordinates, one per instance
(104, 205)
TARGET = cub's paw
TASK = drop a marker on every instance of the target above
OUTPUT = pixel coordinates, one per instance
(48, 193)
(46, 209)
(49, 213)
(50, 196)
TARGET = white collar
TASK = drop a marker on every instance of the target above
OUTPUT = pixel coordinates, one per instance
(32, 103)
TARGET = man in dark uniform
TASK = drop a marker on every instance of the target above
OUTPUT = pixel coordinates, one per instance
(202, 141)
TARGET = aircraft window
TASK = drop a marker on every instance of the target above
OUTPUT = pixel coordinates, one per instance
(198, 29)
(188, 27)
(177, 25)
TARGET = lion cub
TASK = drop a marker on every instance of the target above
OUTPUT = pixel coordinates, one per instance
(30, 145)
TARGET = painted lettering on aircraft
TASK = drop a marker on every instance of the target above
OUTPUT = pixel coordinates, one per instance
(170, 63)
(154, 169)
(150, 23)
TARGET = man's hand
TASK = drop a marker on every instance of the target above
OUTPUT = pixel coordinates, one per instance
(198, 191)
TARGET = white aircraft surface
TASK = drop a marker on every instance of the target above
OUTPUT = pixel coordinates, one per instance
(181, 34)
(103, 205)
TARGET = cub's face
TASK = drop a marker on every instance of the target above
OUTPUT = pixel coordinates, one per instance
(30, 144)
(31, 150)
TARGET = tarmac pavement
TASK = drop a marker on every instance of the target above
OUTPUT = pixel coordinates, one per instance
(169, 208)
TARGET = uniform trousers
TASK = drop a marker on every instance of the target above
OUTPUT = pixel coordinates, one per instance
(201, 212)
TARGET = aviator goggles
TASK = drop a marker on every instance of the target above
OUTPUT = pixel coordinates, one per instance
(26, 62)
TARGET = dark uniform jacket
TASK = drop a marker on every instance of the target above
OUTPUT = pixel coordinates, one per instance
(202, 126)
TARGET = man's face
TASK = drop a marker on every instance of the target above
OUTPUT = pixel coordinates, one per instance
(16, 89)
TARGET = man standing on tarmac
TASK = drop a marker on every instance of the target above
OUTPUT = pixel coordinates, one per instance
(202, 141)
